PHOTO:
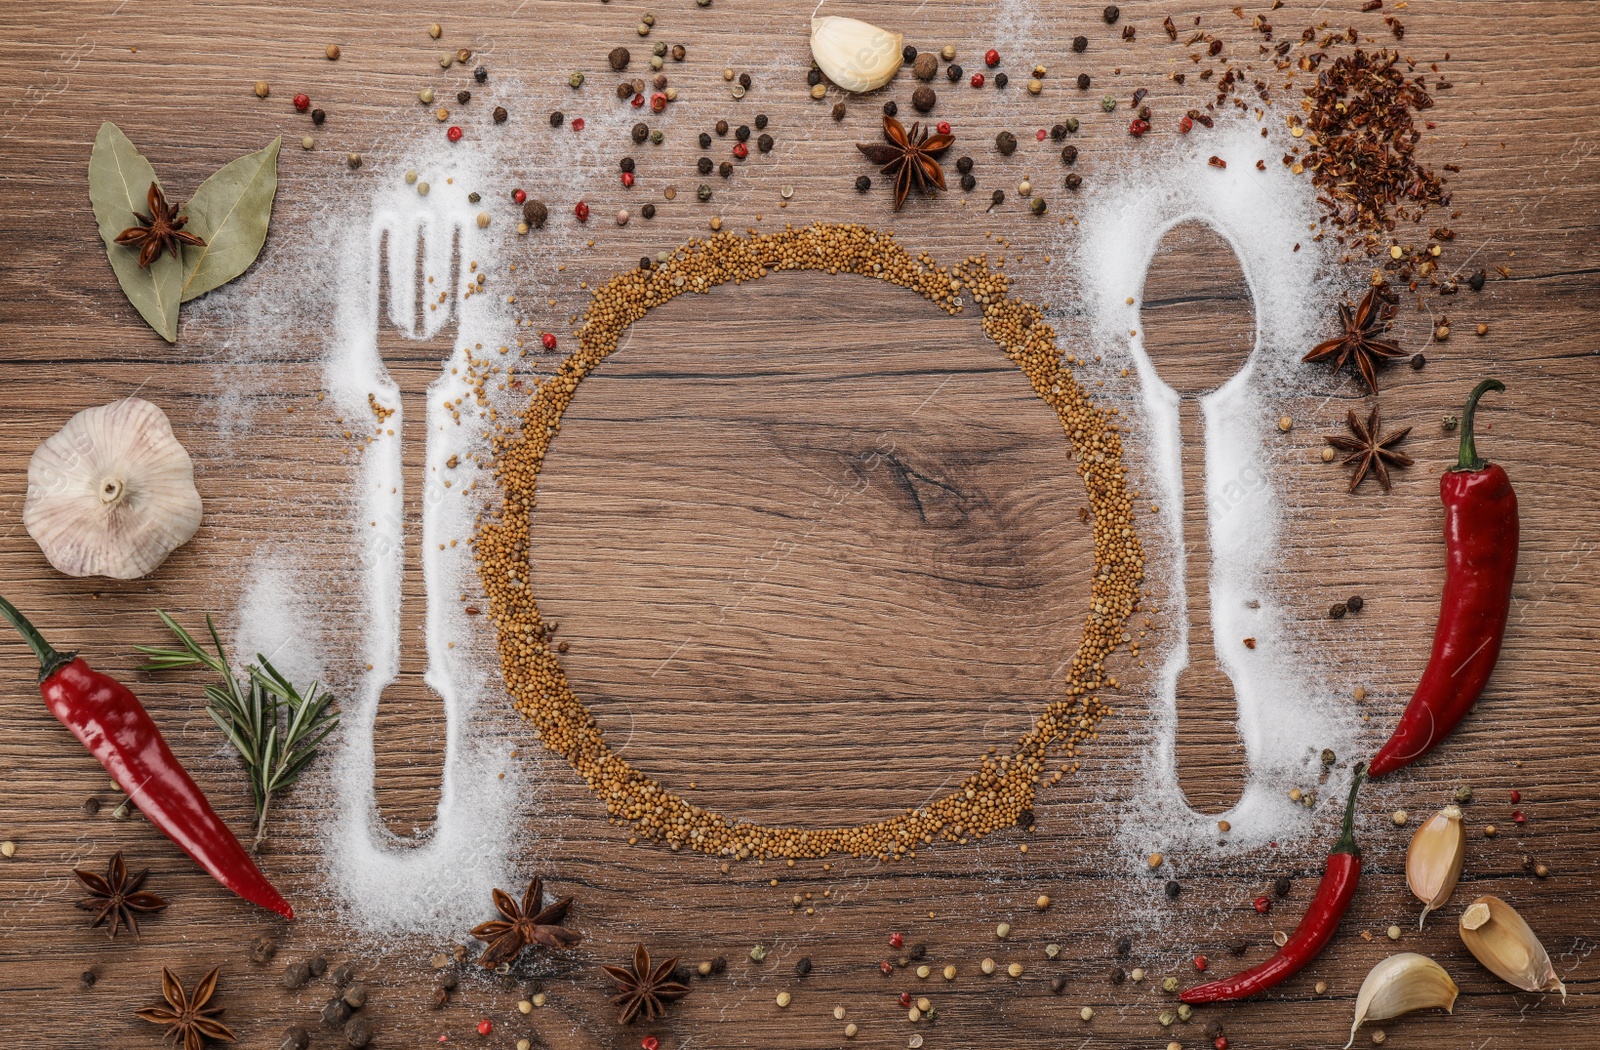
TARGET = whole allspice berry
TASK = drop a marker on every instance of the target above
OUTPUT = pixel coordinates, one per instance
(1111, 14)
(295, 1038)
(926, 66)
(534, 213)
(923, 99)
(619, 58)
(500, 114)
(295, 975)
(1006, 143)
(263, 949)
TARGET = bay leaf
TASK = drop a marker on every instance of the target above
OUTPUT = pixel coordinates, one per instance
(119, 185)
(230, 212)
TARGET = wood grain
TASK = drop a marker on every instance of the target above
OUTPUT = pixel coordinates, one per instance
(814, 546)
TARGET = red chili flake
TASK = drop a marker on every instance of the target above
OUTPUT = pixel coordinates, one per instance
(991, 58)
(944, 129)
(627, 178)
(485, 1026)
(1218, 162)
(886, 966)
(1263, 905)
(896, 939)
(453, 133)
(1518, 817)
(1200, 962)
(977, 80)
(302, 102)
(905, 998)
(658, 102)
(581, 211)
(549, 340)
(638, 100)
(1138, 127)
(740, 150)
(577, 123)
(1185, 125)
(649, 1042)
(519, 195)
(1516, 796)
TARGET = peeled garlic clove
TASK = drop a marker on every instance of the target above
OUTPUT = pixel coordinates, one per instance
(855, 55)
(1433, 863)
(1400, 984)
(112, 493)
(1494, 932)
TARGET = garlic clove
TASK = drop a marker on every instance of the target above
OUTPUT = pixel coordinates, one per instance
(855, 55)
(112, 493)
(1400, 984)
(1433, 863)
(1500, 939)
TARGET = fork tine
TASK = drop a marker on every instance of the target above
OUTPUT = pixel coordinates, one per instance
(441, 261)
(400, 262)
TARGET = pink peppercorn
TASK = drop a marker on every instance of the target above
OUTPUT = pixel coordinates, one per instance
(740, 150)
(302, 102)
(638, 100)
(581, 211)
(649, 1042)
(1200, 962)
(1518, 817)
(549, 340)
(519, 195)
(577, 123)
(1185, 124)
(1263, 905)
(485, 1026)
(627, 178)
(896, 940)
(1516, 796)
(991, 58)
(886, 966)
(453, 133)
(977, 80)
(658, 102)
(944, 127)
(1138, 127)
(1040, 134)
(905, 998)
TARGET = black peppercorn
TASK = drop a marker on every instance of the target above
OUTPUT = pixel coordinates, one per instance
(1117, 975)
(641, 131)
(838, 111)
(761, 122)
(1336, 611)
(745, 81)
(1144, 114)
(1355, 603)
(742, 133)
(923, 99)
(624, 91)
(463, 97)
(500, 114)
(725, 169)
(263, 949)
(318, 116)
(1001, 80)
(704, 164)
(88, 978)
(964, 164)
(719, 964)
(1124, 947)
(1172, 889)
(682, 974)
(997, 198)
(679, 52)
(336, 1012)
(1111, 14)
(1069, 154)
(908, 54)
(1006, 143)
(969, 182)
(1238, 946)
(358, 1033)
(764, 143)
(1280, 885)
(1058, 985)
(626, 164)
(1475, 282)
(1080, 44)
(1074, 180)
(705, 140)
(814, 77)
(481, 74)
(1058, 132)
(1083, 82)
(952, 73)
(918, 952)
(891, 108)
(295, 1038)
(557, 118)
(863, 184)
(1418, 362)
(722, 127)
(648, 211)
(802, 965)
(618, 58)
(474, 197)
(295, 975)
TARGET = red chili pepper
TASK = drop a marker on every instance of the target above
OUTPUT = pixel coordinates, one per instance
(1480, 538)
(1316, 928)
(108, 719)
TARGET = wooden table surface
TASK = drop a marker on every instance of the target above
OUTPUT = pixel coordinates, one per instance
(918, 620)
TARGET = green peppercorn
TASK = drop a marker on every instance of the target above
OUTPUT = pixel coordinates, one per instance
(657, 137)
(1108, 103)
(704, 192)
(1072, 124)
(1037, 205)
(575, 80)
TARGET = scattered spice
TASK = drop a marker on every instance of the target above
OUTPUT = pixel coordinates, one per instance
(645, 990)
(524, 925)
(1368, 451)
(187, 1016)
(117, 896)
(1358, 343)
(908, 156)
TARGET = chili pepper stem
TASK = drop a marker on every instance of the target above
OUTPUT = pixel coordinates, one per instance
(1469, 448)
(1347, 833)
(50, 661)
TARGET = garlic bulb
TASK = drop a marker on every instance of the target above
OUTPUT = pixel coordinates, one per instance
(1433, 863)
(1494, 932)
(1400, 984)
(855, 55)
(112, 493)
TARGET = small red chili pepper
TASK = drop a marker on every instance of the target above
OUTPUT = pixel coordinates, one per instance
(1316, 929)
(108, 719)
(549, 340)
(740, 150)
(991, 58)
(302, 102)
(485, 1026)
(581, 210)
(1201, 962)
(1263, 905)
(1481, 533)
(519, 195)
(1516, 796)
(1138, 127)
(627, 179)
(577, 123)
(944, 127)
(977, 80)
(453, 133)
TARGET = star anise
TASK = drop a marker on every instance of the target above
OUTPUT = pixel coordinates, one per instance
(645, 991)
(1369, 451)
(187, 1016)
(117, 896)
(1359, 342)
(529, 923)
(908, 156)
(161, 230)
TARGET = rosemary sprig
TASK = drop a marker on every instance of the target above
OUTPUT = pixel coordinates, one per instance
(274, 728)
